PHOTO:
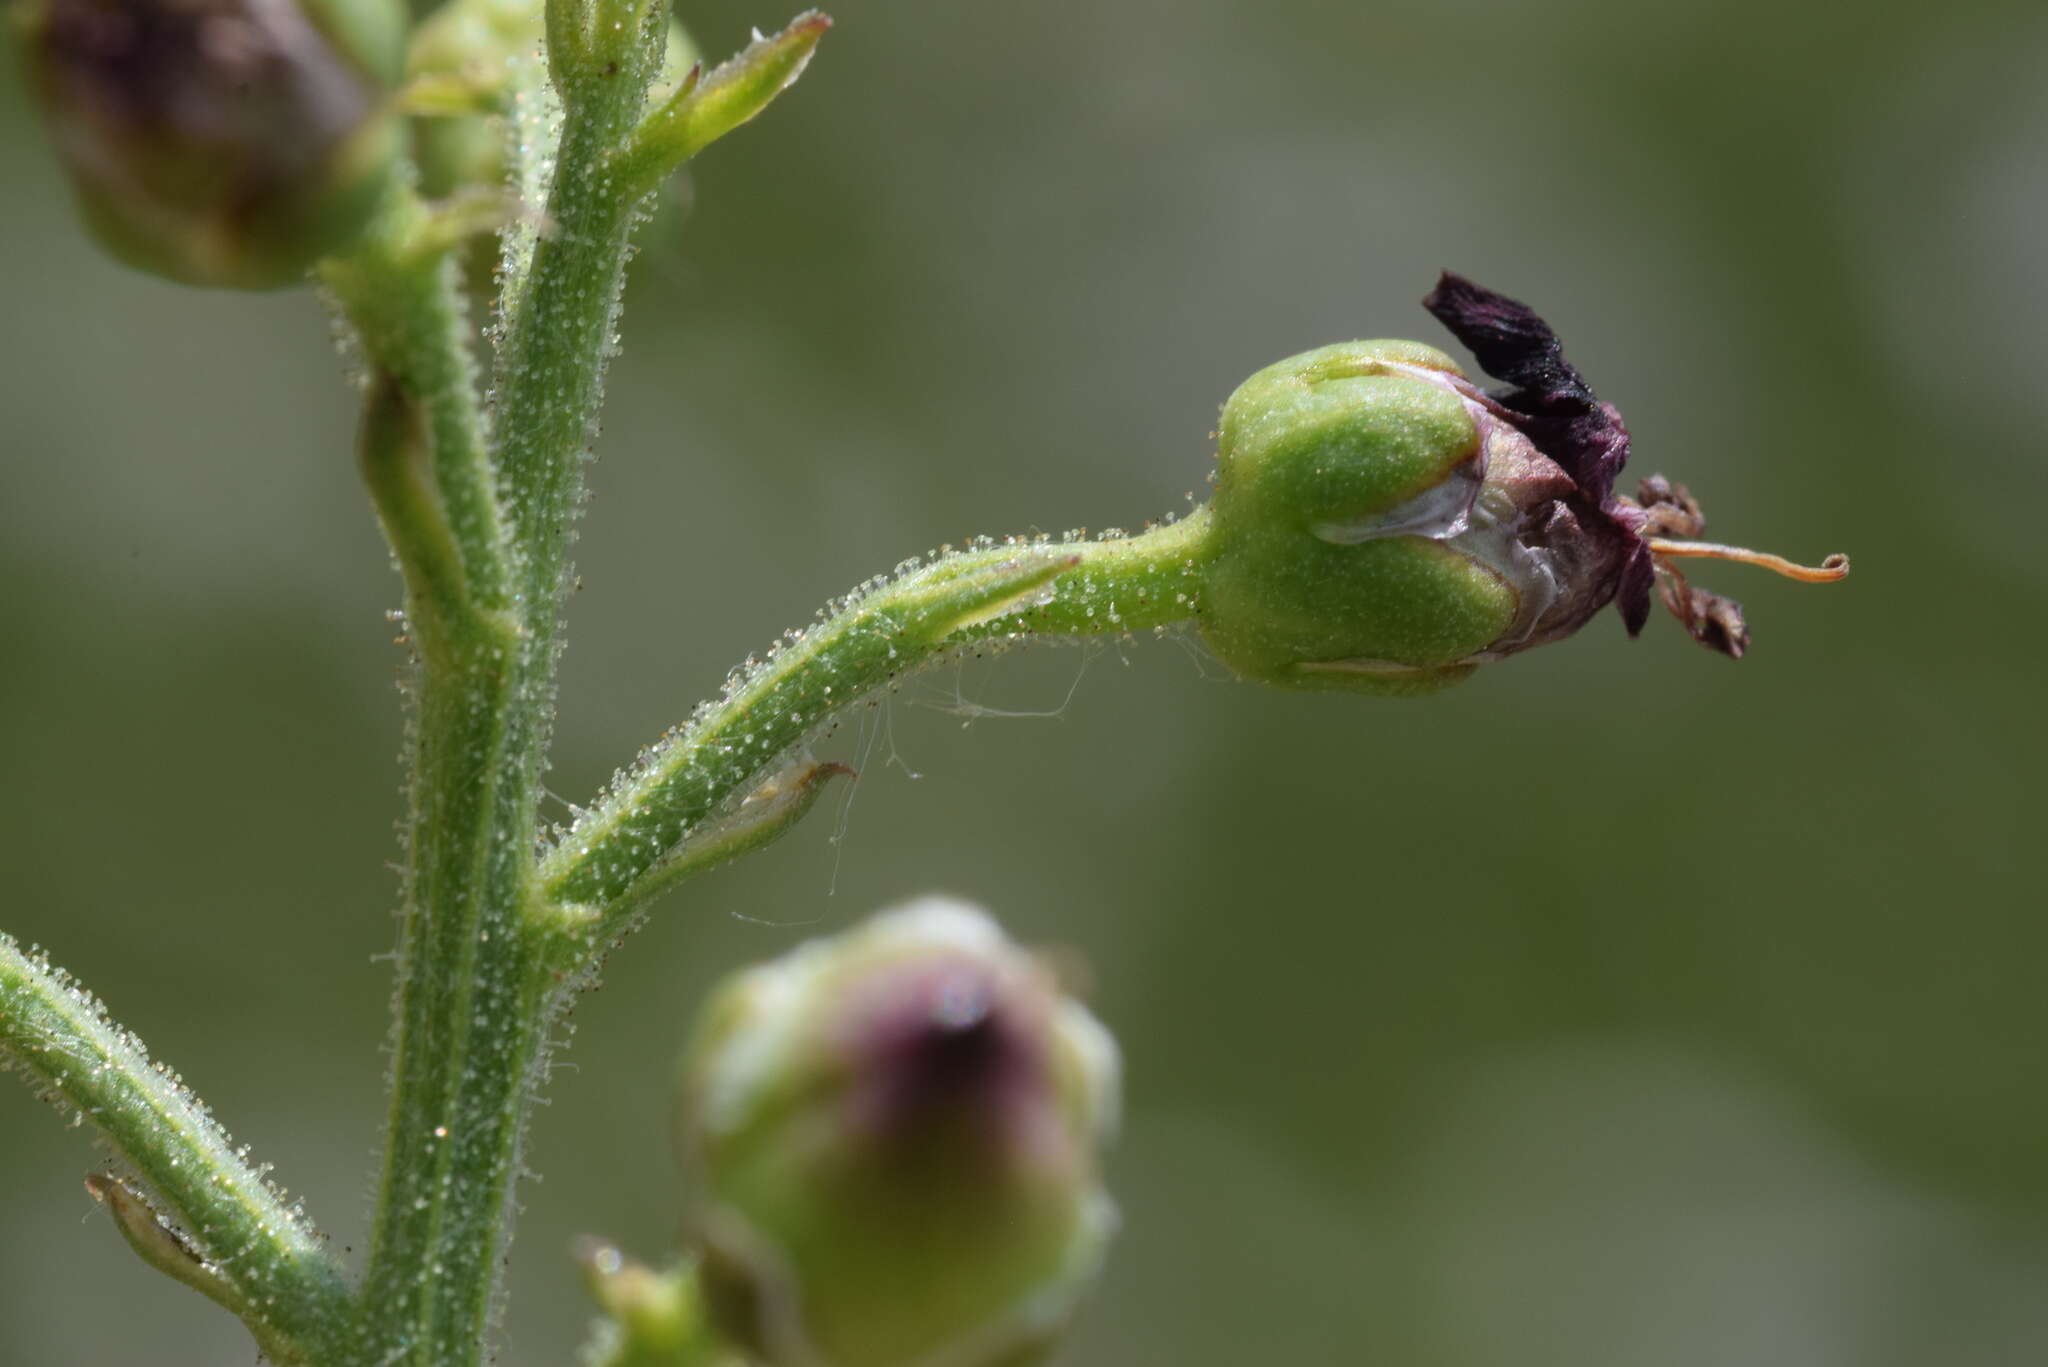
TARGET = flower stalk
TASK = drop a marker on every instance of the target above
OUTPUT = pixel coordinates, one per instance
(601, 871)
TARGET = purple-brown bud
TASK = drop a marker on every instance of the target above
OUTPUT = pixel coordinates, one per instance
(225, 143)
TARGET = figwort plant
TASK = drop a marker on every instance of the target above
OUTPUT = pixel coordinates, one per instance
(894, 1134)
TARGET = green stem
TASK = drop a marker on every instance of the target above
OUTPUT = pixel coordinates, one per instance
(257, 1249)
(475, 996)
(602, 871)
(399, 290)
(475, 1003)
(471, 1017)
(464, 998)
(558, 339)
(392, 453)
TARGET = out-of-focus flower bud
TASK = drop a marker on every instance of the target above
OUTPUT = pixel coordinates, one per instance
(652, 1317)
(226, 143)
(459, 75)
(1383, 525)
(895, 1134)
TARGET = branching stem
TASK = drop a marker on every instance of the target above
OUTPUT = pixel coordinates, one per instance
(259, 1250)
(475, 1004)
(398, 289)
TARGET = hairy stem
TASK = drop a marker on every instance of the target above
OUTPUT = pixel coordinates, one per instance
(474, 1003)
(603, 870)
(470, 1017)
(399, 290)
(260, 1253)
(464, 1002)
(391, 453)
(476, 997)
(551, 367)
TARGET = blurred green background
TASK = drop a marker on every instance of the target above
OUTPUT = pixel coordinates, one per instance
(1624, 1006)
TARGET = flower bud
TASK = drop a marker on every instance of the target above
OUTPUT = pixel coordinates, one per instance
(652, 1317)
(464, 51)
(225, 143)
(1383, 525)
(895, 1136)
(461, 77)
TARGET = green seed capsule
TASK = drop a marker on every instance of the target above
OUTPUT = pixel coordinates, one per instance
(895, 1135)
(1347, 474)
(224, 143)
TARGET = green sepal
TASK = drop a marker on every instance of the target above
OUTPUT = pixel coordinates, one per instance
(1324, 571)
(1332, 436)
(1283, 607)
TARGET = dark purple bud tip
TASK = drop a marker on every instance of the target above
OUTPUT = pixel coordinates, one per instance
(945, 1052)
(1619, 547)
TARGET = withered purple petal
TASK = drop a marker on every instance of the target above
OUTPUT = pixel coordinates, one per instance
(1512, 343)
(1632, 597)
(1563, 416)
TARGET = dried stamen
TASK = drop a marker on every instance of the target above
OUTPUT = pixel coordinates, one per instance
(1669, 509)
(1715, 622)
(1827, 572)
